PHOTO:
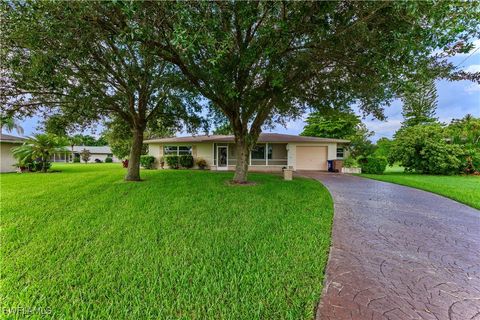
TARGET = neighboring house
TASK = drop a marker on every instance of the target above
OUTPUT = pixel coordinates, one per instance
(272, 153)
(7, 160)
(100, 153)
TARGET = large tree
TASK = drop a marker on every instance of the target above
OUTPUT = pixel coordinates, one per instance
(83, 61)
(419, 103)
(260, 63)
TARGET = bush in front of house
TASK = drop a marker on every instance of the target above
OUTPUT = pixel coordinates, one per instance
(108, 160)
(186, 161)
(172, 161)
(201, 163)
(373, 165)
(147, 161)
(76, 160)
(98, 161)
(350, 162)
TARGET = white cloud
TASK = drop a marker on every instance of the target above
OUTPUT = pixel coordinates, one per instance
(472, 88)
(473, 68)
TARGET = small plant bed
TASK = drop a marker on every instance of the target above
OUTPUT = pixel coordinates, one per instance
(179, 245)
(462, 188)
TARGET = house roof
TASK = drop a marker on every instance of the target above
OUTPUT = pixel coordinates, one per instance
(264, 137)
(92, 149)
(11, 139)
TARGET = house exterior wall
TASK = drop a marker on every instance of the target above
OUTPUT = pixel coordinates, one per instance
(6, 157)
(205, 150)
(202, 150)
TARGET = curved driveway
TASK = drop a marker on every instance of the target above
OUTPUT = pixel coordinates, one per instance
(399, 253)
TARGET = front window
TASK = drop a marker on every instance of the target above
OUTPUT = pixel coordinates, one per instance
(340, 153)
(258, 152)
(177, 150)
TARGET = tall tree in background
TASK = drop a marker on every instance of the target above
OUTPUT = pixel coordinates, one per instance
(419, 103)
(336, 125)
(117, 136)
(81, 60)
(260, 63)
(341, 125)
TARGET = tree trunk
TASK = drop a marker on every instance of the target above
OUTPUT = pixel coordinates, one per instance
(242, 148)
(133, 173)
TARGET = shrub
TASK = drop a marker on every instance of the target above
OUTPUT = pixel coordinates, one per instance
(85, 155)
(186, 161)
(201, 163)
(423, 148)
(98, 161)
(350, 162)
(76, 159)
(172, 162)
(470, 161)
(371, 164)
(147, 161)
(108, 160)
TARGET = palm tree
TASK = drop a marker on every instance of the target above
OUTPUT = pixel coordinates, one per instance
(39, 147)
(10, 124)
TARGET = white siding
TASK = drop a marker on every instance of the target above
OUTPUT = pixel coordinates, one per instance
(6, 157)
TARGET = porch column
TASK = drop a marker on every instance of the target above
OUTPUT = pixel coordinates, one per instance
(266, 153)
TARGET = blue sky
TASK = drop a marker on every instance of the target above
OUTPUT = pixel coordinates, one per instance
(455, 100)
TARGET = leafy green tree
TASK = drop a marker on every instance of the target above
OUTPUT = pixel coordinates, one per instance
(41, 147)
(117, 135)
(424, 149)
(337, 125)
(341, 125)
(83, 61)
(465, 131)
(10, 124)
(264, 62)
(383, 147)
(223, 129)
(419, 103)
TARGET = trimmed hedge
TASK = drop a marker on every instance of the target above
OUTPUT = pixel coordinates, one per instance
(108, 160)
(172, 161)
(147, 161)
(183, 161)
(186, 161)
(371, 164)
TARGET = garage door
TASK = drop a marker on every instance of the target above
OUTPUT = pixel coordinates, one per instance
(311, 158)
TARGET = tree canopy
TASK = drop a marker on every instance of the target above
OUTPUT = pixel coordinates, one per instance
(256, 63)
(260, 63)
(81, 60)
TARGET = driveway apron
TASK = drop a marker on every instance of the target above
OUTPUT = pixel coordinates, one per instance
(399, 253)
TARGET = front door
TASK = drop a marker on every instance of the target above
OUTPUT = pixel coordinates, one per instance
(222, 158)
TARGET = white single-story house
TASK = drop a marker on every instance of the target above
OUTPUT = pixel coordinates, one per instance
(273, 151)
(100, 153)
(8, 161)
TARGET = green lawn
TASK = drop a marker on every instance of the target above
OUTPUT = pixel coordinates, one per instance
(465, 189)
(179, 245)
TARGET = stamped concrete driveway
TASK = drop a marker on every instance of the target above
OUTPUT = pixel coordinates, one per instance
(399, 253)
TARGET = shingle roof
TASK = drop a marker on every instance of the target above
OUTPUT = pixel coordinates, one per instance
(264, 137)
(93, 149)
(9, 138)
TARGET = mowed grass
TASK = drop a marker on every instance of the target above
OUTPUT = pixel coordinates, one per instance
(179, 245)
(464, 189)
